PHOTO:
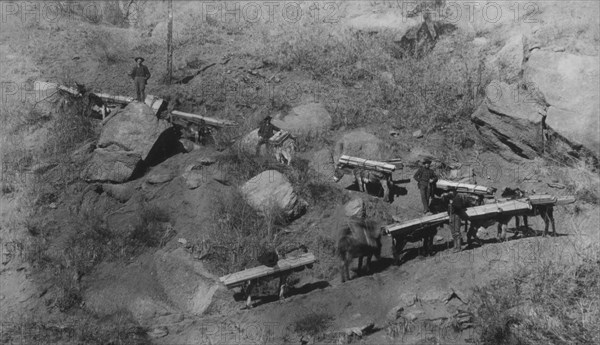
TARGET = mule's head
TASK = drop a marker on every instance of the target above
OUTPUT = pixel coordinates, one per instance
(515, 193)
(338, 173)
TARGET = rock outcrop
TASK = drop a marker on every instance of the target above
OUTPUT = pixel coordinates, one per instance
(304, 120)
(271, 190)
(125, 141)
(360, 144)
(569, 85)
(511, 124)
(507, 64)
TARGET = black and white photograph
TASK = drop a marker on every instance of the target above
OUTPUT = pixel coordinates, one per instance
(302, 172)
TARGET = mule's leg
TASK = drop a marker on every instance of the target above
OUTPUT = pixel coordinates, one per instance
(398, 245)
(360, 261)
(502, 225)
(550, 213)
(369, 263)
(248, 293)
(344, 270)
(386, 189)
(282, 286)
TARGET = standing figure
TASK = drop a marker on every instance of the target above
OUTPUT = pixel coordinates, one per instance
(426, 180)
(140, 75)
(265, 131)
(457, 212)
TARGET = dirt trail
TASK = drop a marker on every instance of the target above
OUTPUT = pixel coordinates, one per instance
(369, 299)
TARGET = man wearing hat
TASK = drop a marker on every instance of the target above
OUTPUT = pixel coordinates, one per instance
(140, 75)
(265, 131)
(425, 178)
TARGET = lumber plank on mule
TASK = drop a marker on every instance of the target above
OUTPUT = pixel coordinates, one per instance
(506, 208)
(279, 137)
(464, 187)
(356, 162)
(43, 85)
(284, 265)
(114, 99)
(565, 200)
(407, 227)
(208, 120)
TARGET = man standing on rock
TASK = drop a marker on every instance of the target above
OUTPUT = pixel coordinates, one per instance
(426, 179)
(265, 131)
(140, 75)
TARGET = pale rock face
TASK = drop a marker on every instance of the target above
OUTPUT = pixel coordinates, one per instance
(569, 84)
(271, 189)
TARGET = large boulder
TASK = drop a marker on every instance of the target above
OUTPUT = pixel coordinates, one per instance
(271, 189)
(359, 143)
(126, 140)
(249, 142)
(111, 165)
(570, 86)
(507, 64)
(512, 125)
(135, 129)
(304, 120)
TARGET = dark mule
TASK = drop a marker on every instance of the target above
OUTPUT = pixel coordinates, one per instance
(545, 211)
(438, 205)
(358, 239)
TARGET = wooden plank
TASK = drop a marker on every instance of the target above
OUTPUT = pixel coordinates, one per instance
(542, 199)
(415, 224)
(366, 164)
(464, 187)
(279, 137)
(43, 86)
(510, 207)
(114, 99)
(565, 200)
(208, 120)
(284, 265)
(507, 208)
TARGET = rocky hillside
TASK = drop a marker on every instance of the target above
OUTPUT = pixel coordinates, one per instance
(116, 231)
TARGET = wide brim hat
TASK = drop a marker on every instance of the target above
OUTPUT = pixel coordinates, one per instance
(139, 58)
(427, 161)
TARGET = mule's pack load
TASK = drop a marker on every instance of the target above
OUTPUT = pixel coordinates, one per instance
(508, 208)
(404, 228)
(355, 162)
(546, 199)
(210, 121)
(465, 187)
(279, 137)
(284, 266)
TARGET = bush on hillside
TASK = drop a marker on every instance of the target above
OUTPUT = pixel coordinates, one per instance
(555, 304)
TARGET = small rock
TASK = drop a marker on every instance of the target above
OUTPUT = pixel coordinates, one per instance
(558, 49)
(394, 133)
(557, 185)
(417, 134)
(159, 178)
(52, 205)
(158, 332)
(182, 241)
(413, 315)
(438, 238)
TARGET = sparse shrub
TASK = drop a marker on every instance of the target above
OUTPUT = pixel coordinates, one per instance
(153, 229)
(550, 304)
(238, 233)
(313, 324)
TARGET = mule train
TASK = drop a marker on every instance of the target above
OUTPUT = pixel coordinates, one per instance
(363, 177)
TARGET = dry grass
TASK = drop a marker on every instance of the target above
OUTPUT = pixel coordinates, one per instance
(548, 304)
